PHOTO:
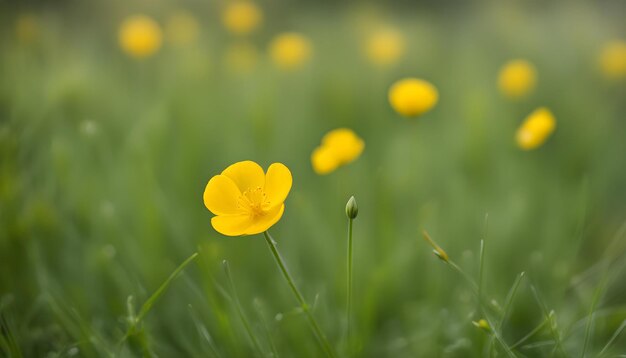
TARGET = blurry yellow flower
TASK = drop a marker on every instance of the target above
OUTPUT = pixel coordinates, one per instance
(140, 36)
(241, 57)
(290, 50)
(245, 200)
(241, 17)
(412, 97)
(517, 78)
(536, 129)
(339, 146)
(613, 60)
(385, 47)
(182, 28)
(26, 28)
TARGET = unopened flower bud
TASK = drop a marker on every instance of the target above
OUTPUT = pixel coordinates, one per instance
(482, 324)
(352, 210)
(438, 251)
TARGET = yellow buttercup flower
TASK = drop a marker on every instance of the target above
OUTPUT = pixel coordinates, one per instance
(27, 28)
(613, 60)
(241, 17)
(140, 36)
(517, 78)
(245, 200)
(241, 57)
(536, 129)
(385, 47)
(339, 146)
(182, 28)
(412, 97)
(290, 50)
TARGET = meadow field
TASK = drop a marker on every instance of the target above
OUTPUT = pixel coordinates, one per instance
(484, 143)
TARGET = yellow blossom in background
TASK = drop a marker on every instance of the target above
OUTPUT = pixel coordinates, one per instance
(536, 129)
(241, 17)
(412, 97)
(241, 57)
(517, 78)
(27, 28)
(339, 147)
(245, 200)
(182, 28)
(290, 50)
(385, 47)
(140, 36)
(613, 60)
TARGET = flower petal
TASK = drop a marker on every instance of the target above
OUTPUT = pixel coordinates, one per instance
(345, 145)
(220, 196)
(278, 182)
(323, 160)
(231, 225)
(262, 223)
(246, 174)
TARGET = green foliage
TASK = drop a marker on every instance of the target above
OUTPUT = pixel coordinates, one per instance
(104, 158)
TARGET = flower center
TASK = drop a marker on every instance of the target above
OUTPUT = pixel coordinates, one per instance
(253, 201)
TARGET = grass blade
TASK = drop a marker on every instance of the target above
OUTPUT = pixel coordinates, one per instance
(159, 292)
(594, 303)
(613, 338)
(549, 316)
(203, 332)
(240, 312)
(509, 299)
(530, 334)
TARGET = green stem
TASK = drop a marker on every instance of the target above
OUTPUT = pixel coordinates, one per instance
(321, 338)
(349, 303)
(480, 275)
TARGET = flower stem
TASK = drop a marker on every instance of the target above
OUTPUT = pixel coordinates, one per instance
(321, 338)
(349, 303)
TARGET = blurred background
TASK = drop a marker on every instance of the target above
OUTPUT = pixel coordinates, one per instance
(115, 114)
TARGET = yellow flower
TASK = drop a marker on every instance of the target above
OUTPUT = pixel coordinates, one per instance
(385, 47)
(140, 36)
(536, 129)
(339, 146)
(241, 17)
(412, 97)
(290, 50)
(27, 28)
(517, 78)
(182, 28)
(613, 60)
(241, 57)
(245, 200)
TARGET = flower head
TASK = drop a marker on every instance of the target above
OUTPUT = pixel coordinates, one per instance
(412, 97)
(613, 60)
(536, 129)
(140, 36)
(385, 47)
(182, 28)
(245, 200)
(241, 17)
(290, 50)
(517, 78)
(339, 146)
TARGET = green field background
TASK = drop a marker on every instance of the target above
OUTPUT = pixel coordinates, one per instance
(104, 159)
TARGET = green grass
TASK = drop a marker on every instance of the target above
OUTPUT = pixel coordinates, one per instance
(103, 161)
